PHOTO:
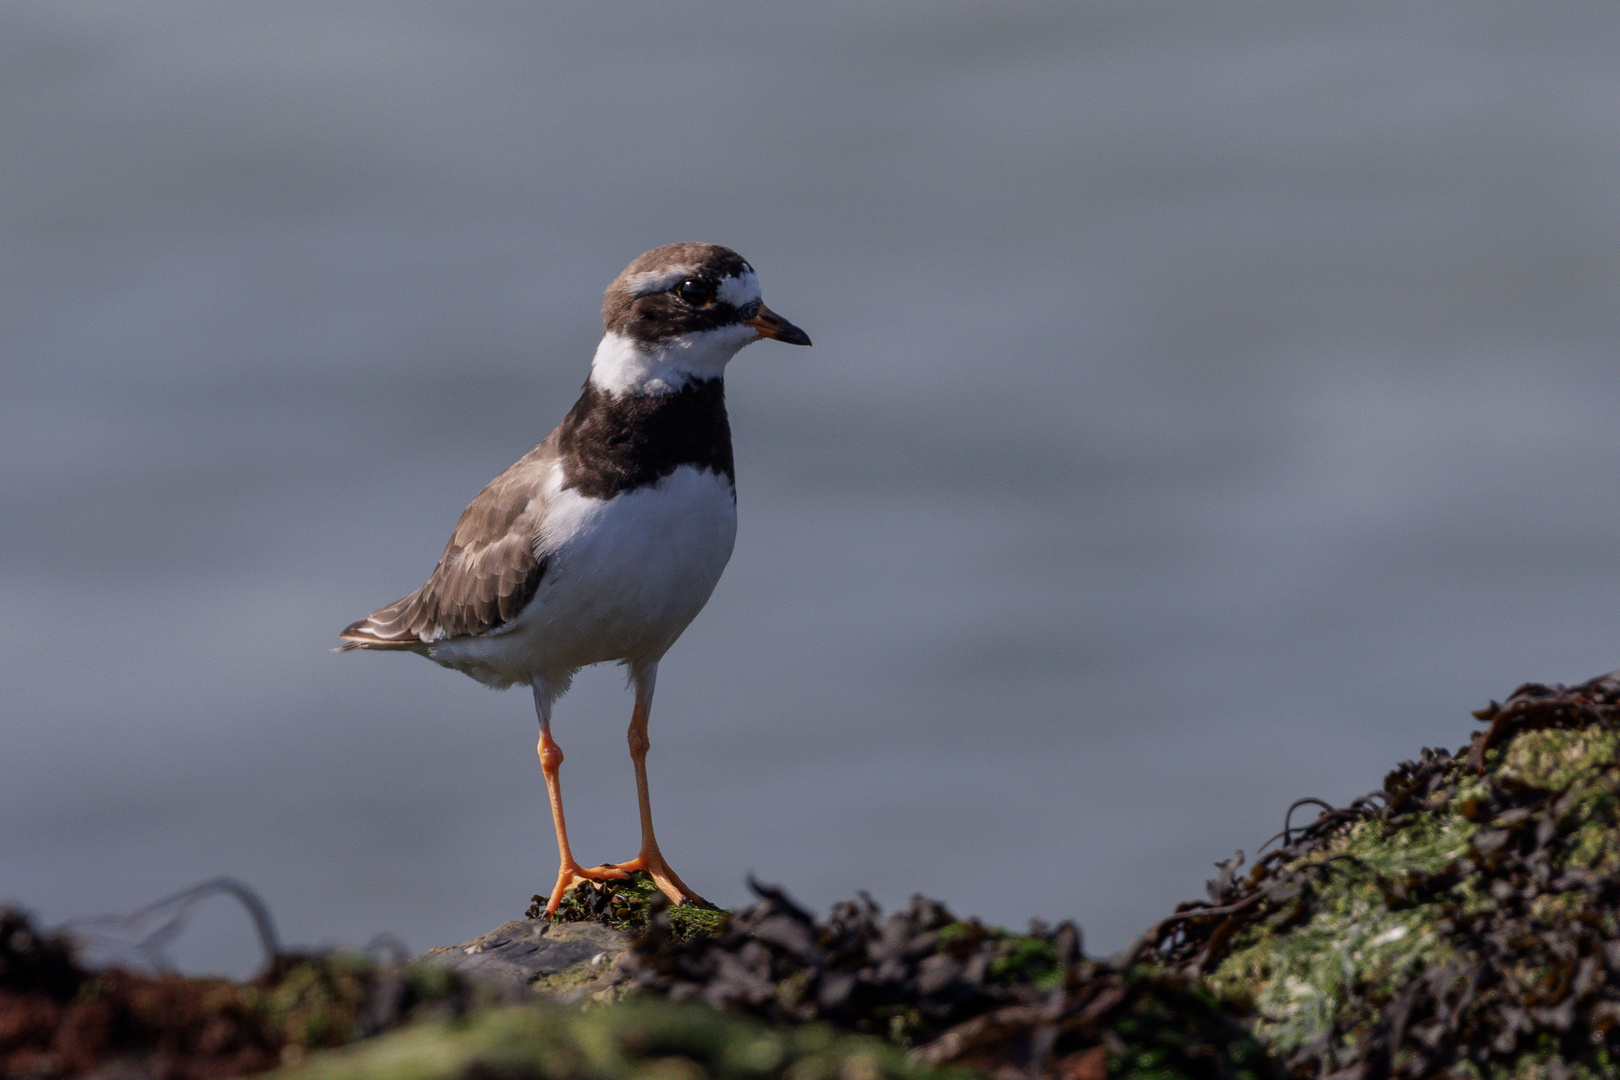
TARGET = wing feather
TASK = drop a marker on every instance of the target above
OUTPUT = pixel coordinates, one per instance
(487, 575)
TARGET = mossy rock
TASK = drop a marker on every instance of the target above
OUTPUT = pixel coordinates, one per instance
(1464, 921)
(633, 1041)
(630, 906)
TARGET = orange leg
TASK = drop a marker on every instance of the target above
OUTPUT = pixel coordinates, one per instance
(570, 873)
(650, 858)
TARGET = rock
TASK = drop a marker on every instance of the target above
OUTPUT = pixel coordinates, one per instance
(1460, 922)
(568, 961)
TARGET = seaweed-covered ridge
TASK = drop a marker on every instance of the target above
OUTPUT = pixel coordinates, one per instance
(957, 992)
(1462, 921)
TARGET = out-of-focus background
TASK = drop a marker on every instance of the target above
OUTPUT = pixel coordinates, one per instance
(1209, 406)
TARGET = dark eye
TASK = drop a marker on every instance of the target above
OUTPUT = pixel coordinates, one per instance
(696, 291)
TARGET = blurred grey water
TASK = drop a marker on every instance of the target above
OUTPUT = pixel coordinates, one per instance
(1210, 404)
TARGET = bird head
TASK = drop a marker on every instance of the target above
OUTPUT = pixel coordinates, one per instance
(681, 312)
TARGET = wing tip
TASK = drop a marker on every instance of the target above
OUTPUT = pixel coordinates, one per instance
(359, 635)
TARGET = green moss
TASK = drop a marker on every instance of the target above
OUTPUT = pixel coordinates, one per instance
(629, 905)
(316, 1000)
(1299, 982)
(1556, 759)
(1027, 960)
(575, 982)
(1363, 937)
(1017, 958)
(1386, 898)
(688, 922)
(640, 1041)
(1536, 1066)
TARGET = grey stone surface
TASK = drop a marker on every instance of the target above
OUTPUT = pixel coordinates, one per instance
(532, 955)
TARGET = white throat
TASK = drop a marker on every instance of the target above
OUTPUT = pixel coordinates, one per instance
(625, 366)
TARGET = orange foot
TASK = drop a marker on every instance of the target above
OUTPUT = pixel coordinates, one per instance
(668, 882)
(572, 875)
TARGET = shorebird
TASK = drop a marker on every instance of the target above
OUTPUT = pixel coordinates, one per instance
(604, 542)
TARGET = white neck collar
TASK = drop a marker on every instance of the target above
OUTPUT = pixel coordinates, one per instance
(623, 366)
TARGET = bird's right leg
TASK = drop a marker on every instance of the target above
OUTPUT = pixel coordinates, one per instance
(651, 859)
(569, 873)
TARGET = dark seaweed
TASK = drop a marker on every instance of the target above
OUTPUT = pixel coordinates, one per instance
(958, 992)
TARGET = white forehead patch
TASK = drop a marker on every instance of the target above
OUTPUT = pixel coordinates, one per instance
(656, 281)
(739, 290)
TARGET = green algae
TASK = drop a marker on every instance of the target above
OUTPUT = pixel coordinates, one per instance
(1026, 959)
(629, 905)
(1360, 941)
(1477, 910)
(574, 982)
(316, 1001)
(328, 1000)
(633, 1041)
(1556, 760)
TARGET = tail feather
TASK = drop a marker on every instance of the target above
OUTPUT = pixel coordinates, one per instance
(363, 635)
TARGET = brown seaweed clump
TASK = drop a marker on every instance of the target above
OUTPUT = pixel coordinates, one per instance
(959, 993)
(1462, 922)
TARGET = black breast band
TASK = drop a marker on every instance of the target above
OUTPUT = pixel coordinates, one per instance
(611, 444)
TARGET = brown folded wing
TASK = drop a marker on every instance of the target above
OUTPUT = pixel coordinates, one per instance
(487, 574)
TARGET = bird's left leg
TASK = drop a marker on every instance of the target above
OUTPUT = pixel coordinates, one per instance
(570, 873)
(650, 858)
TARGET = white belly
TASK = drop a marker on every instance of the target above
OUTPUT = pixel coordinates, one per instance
(624, 577)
